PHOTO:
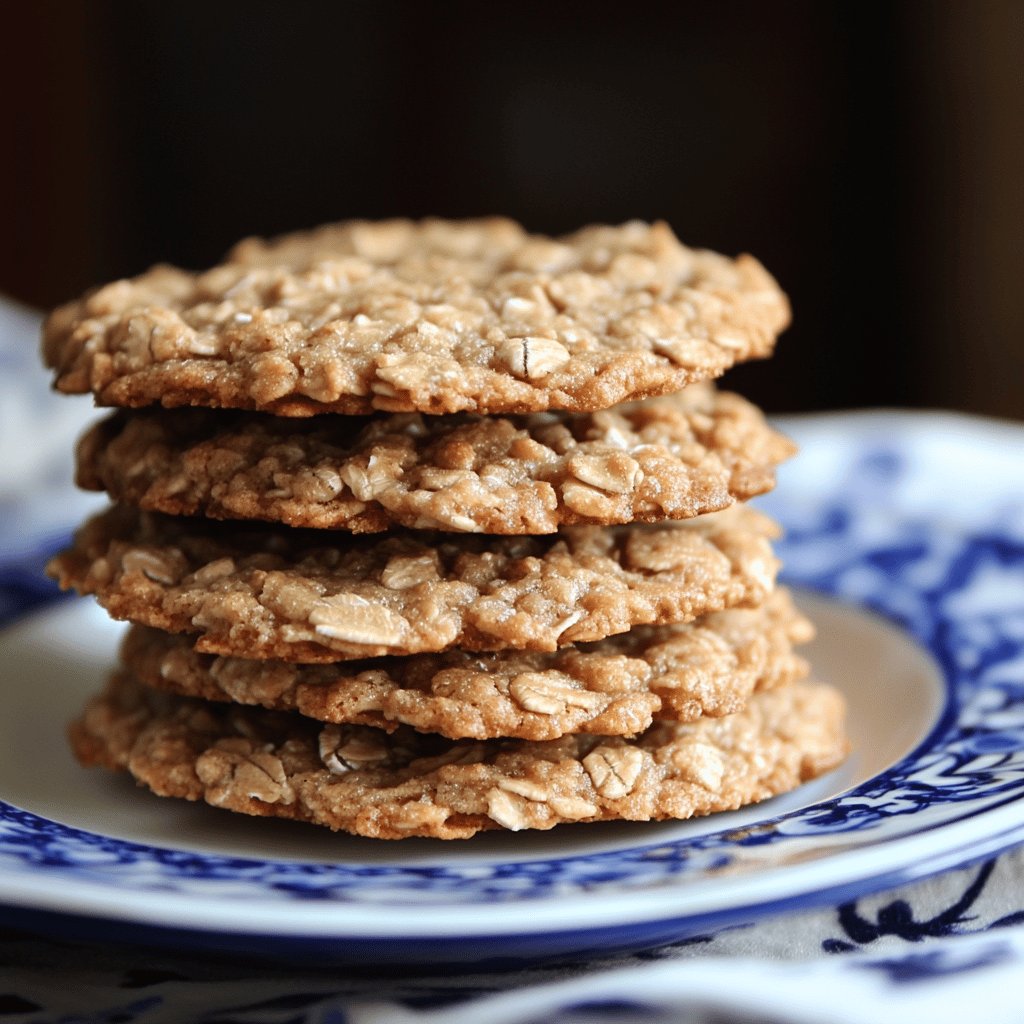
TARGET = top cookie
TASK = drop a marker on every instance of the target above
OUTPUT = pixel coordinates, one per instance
(433, 317)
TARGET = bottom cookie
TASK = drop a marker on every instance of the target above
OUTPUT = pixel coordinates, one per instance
(360, 780)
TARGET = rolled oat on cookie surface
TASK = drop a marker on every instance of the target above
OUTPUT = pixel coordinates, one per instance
(432, 316)
(393, 786)
(616, 686)
(665, 458)
(264, 591)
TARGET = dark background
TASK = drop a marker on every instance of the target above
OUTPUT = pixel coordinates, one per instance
(871, 154)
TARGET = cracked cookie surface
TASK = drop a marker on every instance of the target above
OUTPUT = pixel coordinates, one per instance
(667, 458)
(257, 591)
(360, 780)
(616, 686)
(432, 316)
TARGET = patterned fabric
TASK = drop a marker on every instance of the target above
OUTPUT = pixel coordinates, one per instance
(942, 948)
(947, 948)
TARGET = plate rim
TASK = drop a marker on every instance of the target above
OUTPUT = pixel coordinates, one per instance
(309, 920)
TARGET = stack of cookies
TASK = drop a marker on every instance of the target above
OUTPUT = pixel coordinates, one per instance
(429, 528)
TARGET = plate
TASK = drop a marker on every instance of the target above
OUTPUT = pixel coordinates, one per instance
(916, 590)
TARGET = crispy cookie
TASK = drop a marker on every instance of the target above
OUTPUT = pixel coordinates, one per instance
(360, 780)
(612, 687)
(261, 592)
(669, 458)
(666, 458)
(433, 317)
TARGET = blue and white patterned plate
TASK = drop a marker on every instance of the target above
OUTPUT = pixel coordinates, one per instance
(906, 537)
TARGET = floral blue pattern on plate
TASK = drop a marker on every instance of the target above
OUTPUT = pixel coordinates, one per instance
(922, 526)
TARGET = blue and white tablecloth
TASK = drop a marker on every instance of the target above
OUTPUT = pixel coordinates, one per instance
(947, 949)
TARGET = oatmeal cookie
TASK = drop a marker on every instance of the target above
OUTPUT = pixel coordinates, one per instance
(433, 317)
(612, 687)
(666, 458)
(670, 458)
(258, 591)
(360, 780)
